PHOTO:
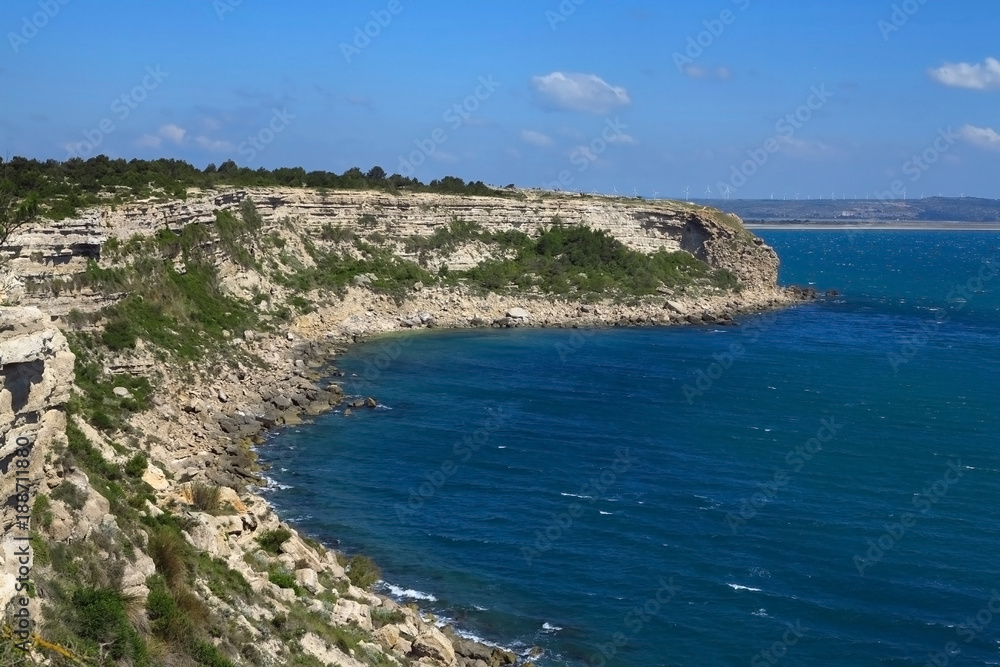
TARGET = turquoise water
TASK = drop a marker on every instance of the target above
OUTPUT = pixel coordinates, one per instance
(817, 486)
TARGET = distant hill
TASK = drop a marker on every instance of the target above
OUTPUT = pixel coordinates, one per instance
(932, 209)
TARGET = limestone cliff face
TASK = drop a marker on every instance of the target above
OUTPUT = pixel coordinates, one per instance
(36, 373)
(60, 250)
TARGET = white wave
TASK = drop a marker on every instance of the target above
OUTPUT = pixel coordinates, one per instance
(761, 612)
(737, 587)
(548, 627)
(502, 447)
(408, 593)
(573, 495)
(605, 513)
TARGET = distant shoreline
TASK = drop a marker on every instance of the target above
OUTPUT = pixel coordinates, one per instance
(880, 225)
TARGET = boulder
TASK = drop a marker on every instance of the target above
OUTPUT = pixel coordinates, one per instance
(518, 314)
(121, 392)
(431, 643)
(349, 611)
(308, 579)
(388, 636)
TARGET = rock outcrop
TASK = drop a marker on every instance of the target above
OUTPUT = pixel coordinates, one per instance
(36, 373)
(47, 262)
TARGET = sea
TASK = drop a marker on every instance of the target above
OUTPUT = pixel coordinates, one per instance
(815, 486)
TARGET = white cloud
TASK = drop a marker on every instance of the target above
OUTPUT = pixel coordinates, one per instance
(622, 139)
(173, 133)
(214, 145)
(536, 138)
(708, 74)
(170, 132)
(148, 141)
(964, 75)
(579, 92)
(984, 137)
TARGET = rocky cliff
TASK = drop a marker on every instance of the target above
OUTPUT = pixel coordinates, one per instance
(57, 253)
(147, 535)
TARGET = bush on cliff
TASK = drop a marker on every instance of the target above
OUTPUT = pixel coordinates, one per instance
(590, 262)
(363, 572)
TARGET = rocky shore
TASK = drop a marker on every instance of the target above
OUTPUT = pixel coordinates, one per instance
(204, 423)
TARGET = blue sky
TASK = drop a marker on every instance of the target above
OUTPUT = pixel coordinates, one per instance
(785, 98)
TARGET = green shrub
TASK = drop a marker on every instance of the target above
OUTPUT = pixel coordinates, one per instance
(70, 494)
(283, 579)
(205, 497)
(41, 511)
(172, 556)
(382, 616)
(363, 572)
(271, 540)
(136, 466)
(119, 335)
(102, 618)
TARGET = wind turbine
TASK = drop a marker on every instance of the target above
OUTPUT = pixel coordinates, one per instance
(727, 192)
(708, 190)
(655, 193)
(772, 195)
(687, 192)
(614, 189)
(635, 192)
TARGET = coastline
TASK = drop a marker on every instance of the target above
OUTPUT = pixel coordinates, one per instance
(861, 225)
(294, 385)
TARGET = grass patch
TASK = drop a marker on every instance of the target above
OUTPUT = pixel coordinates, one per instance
(363, 572)
(271, 540)
(70, 494)
(205, 497)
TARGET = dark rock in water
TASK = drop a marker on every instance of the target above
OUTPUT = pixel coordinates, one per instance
(371, 402)
(693, 319)
(503, 323)
(348, 412)
(358, 403)
(832, 292)
(478, 322)
(803, 293)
